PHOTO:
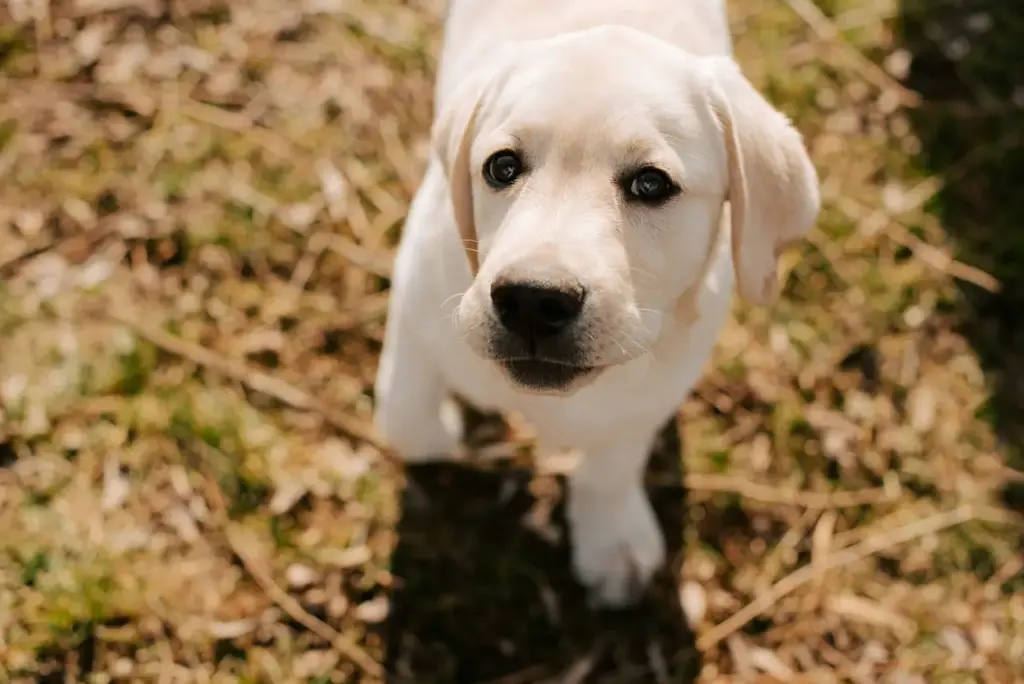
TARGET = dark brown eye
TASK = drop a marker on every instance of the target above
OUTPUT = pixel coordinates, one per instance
(651, 186)
(502, 169)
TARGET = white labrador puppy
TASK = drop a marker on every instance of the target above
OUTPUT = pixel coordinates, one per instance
(602, 171)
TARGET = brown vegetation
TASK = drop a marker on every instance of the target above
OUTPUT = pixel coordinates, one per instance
(198, 202)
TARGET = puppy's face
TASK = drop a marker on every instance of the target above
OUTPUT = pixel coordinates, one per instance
(588, 176)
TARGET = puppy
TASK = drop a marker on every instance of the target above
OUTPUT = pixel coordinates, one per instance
(602, 177)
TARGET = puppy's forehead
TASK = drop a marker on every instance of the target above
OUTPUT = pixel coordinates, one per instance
(628, 89)
(588, 102)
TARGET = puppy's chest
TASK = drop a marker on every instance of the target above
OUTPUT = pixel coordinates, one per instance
(636, 396)
(478, 381)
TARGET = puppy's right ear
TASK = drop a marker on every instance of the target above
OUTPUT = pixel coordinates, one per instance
(452, 138)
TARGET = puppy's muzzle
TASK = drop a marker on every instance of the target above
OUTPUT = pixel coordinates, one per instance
(538, 339)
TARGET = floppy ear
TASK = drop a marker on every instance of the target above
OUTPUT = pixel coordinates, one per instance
(774, 196)
(452, 138)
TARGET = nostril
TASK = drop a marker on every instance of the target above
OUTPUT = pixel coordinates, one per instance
(505, 302)
(557, 309)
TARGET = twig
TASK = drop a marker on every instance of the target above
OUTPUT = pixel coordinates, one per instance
(10, 267)
(257, 380)
(772, 564)
(917, 197)
(359, 256)
(923, 192)
(940, 261)
(78, 244)
(807, 573)
(282, 599)
(826, 29)
(705, 482)
(239, 122)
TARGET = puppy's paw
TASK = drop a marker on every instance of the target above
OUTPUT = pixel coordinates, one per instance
(617, 547)
(424, 442)
(422, 438)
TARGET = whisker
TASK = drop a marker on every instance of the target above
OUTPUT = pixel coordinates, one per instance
(454, 296)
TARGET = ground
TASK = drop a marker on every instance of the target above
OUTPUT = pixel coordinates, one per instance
(198, 204)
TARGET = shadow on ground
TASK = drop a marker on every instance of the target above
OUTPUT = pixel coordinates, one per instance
(966, 65)
(482, 596)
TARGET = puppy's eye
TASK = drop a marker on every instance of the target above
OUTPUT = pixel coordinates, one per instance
(651, 186)
(502, 169)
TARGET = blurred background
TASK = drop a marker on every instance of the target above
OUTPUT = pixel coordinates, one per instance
(198, 205)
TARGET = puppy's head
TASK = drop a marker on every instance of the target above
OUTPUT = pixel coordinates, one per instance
(588, 175)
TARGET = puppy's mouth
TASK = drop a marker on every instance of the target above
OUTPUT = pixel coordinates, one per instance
(546, 376)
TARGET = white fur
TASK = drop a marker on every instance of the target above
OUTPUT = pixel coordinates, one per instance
(587, 88)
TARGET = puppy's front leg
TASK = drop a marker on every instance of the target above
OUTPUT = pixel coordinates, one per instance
(409, 394)
(617, 543)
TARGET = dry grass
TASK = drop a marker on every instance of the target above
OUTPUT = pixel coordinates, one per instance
(197, 208)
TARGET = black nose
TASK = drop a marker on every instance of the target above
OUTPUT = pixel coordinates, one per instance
(534, 311)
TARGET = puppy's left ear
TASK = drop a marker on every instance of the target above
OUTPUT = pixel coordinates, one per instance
(774, 193)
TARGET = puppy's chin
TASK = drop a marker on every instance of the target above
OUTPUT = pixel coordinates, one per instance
(549, 378)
